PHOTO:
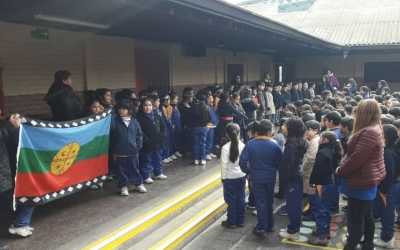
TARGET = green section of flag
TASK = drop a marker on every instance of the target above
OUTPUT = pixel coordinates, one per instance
(38, 161)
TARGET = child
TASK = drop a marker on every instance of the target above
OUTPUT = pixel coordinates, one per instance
(166, 116)
(286, 96)
(299, 90)
(263, 168)
(294, 93)
(176, 122)
(236, 104)
(262, 100)
(346, 128)
(250, 107)
(291, 174)
(217, 93)
(104, 96)
(326, 161)
(136, 104)
(364, 92)
(127, 142)
(312, 136)
(254, 94)
(340, 104)
(316, 107)
(154, 132)
(199, 117)
(311, 88)
(277, 103)
(251, 134)
(305, 91)
(211, 130)
(185, 137)
(233, 179)
(346, 92)
(270, 111)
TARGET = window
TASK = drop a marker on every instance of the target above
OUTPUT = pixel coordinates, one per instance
(280, 73)
(375, 71)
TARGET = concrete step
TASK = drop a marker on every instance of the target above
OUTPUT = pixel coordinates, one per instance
(182, 229)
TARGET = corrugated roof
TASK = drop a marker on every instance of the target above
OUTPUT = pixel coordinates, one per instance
(344, 22)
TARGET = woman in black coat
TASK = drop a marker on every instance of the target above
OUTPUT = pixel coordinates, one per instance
(64, 103)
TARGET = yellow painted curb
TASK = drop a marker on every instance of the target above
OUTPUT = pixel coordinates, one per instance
(134, 227)
(307, 245)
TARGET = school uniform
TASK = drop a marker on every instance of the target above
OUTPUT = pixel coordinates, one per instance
(166, 113)
(210, 132)
(365, 96)
(262, 100)
(263, 168)
(308, 163)
(318, 115)
(277, 98)
(270, 112)
(176, 122)
(300, 93)
(234, 181)
(225, 112)
(338, 180)
(294, 95)
(286, 98)
(127, 142)
(154, 134)
(185, 142)
(344, 142)
(353, 89)
(306, 94)
(321, 177)
(198, 124)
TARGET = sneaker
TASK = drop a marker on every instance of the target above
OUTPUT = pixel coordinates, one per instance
(217, 147)
(94, 187)
(202, 162)
(110, 178)
(30, 228)
(225, 224)
(20, 231)
(124, 191)
(335, 213)
(279, 196)
(177, 154)
(208, 158)
(196, 162)
(260, 233)
(254, 212)
(380, 243)
(169, 159)
(286, 235)
(282, 211)
(377, 219)
(148, 181)
(173, 157)
(165, 161)
(213, 155)
(344, 242)
(344, 208)
(328, 235)
(249, 206)
(100, 185)
(4, 247)
(309, 217)
(397, 224)
(318, 240)
(345, 198)
(140, 189)
(240, 224)
(160, 177)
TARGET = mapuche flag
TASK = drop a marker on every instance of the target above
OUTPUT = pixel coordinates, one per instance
(56, 159)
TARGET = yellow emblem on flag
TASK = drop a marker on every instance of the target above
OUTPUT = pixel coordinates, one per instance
(63, 160)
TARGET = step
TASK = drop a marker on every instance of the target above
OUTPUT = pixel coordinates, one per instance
(185, 227)
(130, 228)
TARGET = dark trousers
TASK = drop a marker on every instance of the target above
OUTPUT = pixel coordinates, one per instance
(150, 161)
(311, 203)
(334, 204)
(22, 216)
(251, 196)
(111, 164)
(362, 222)
(386, 212)
(199, 135)
(294, 206)
(173, 143)
(322, 212)
(264, 198)
(165, 150)
(128, 169)
(185, 141)
(209, 141)
(234, 196)
(260, 116)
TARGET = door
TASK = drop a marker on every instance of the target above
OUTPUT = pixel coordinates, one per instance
(232, 70)
(152, 69)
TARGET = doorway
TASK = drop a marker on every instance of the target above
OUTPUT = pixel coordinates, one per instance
(233, 69)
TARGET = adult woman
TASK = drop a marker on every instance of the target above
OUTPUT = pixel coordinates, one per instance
(363, 169)
(237, 84)
(64, 103)
(333, 79)
(352, 85)
(381, 84)
(325, 85)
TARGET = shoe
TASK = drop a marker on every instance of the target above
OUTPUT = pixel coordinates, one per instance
(177, 154)
(254, 212)
(160, 177)
(260, 233)
(368, 246)
(240, 224)
(345, 198)
(344, 242)
(397, 224)
(334, 213)
(124, 191)
(282, 212)
(213, 155)
(110, 178)
(225, 224)
(249, 206)
(94, 187)
(148, 181)
(286, 235)
(30, 228)
(344, 208)
(279, 196)
(318, 240)
(328, 235)
(208, 158)
(309, 217)
(169, 159)
(380, 243)
(217, 147)
(196, 162)
(203, 162)
(140, 189)
(100, 185)
(271, 230)
(20, 231)
(166, 161)
(173, 157)
(377, 219)
(3, 247)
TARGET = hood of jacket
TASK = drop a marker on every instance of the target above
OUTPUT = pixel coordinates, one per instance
(56, 89)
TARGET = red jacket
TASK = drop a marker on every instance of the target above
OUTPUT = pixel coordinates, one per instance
(363, 166)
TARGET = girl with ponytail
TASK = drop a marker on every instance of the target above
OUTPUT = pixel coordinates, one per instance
(389, 189)
(327, 159)
(233, 179)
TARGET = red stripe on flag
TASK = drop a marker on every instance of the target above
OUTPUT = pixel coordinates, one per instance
(35, 184)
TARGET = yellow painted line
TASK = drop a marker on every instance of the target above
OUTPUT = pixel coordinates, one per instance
(308, 245)
(131, 229)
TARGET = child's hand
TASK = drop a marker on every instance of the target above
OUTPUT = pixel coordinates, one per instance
(15, 120)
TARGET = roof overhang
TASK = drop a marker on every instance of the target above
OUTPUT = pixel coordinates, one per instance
(209, 23)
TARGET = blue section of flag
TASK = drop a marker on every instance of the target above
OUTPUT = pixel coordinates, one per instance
(52, 139)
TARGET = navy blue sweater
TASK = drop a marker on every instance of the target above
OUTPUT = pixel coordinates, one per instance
(392, 164)
(294, 95)
(263, 166)
(291, 171)
(286, 98)
(322, 170)
(125, 141)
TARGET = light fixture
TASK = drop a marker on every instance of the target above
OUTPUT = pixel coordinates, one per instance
(268, 50)
(71, 21)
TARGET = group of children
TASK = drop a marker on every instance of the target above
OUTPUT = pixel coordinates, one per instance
(313, 137)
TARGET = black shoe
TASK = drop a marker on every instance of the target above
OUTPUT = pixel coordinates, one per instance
(225, 224)
(271, 230)
(318, 240)
(3, 247)
(309, 217)
(260, 233)
(280, 196)
(250, 206)
(328, 235)
(344, 208)
(334, 213)
(240, 224)
(345, 198)
(367, 246)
